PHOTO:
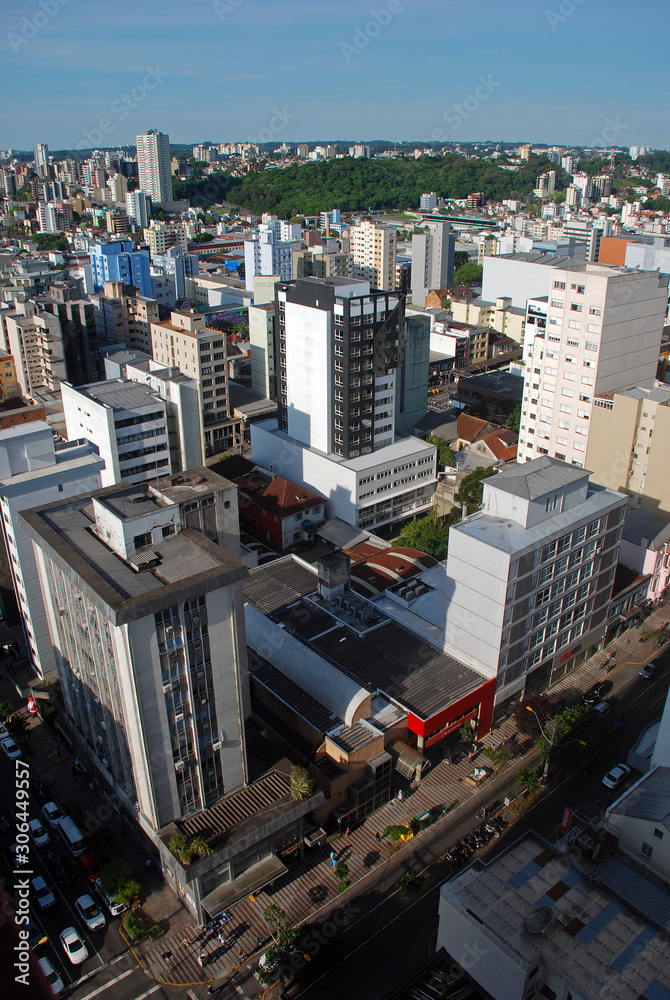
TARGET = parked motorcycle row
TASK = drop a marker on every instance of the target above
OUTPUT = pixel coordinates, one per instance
(477, 838)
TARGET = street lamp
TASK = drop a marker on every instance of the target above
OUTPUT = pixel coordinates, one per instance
(551, 742)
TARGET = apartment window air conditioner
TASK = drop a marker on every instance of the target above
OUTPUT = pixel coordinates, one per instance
(170, 686)
(216, 746)
(196, 618)
(179, 718)
(104, 762)
(101, 738)
(179, 765)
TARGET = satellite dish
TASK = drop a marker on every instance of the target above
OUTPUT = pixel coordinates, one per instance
(539, 919)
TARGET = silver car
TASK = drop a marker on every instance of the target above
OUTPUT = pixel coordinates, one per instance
(90, 912)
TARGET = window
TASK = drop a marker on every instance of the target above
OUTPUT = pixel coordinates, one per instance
(548, 371)
(140, 541)
(169, 529)
(557, 303)
(584, 414)
(560, 285)
(576, 307)
(578, 446)
(646, 851)
(594, 311)
(569, 376)
(588, 364)
(561, 440)
(575, 324)
(567, 392)
(587, 380)
(565, 408)
(658, 833)
(590, 346)
(593, 328)
(564, 425)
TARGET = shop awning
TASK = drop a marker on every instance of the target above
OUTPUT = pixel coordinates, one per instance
(253, 878)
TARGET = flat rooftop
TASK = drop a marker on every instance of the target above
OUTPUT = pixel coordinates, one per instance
(186, 565)
(379, 656)
(600, 945)
(120, 394)
(535, 479)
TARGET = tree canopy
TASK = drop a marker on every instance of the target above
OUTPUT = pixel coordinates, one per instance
(471, 489)
(429, 534)
(468, 274)
(445, 455)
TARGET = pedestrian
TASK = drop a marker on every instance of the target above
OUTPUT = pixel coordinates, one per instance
(240, 955)
(400, 795)
(185, 942)
(210, 991)
(378, 838)
(202, 959)
(222, 939)
(347, 832)
(332, 855)
(334, 863)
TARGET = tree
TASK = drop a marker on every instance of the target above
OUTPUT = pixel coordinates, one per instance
(498, 755)
(203, 238)
(301, 783)
(469, 274)
(480, 409)
(468, 730)
(471, 490)
(395, 832)
(514, 419)
(16, 724)
(461, 257)
(529, 778)
(524, 720)
(445, 455)
(446, 303)
(117, 880)
(428, 534)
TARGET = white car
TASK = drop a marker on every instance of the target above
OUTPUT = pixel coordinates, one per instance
(52, 813)
(90, 912)
(10, 748)
(74, 947)
(614, 777)
(39, 835)
(51, 976)
(4, 733)
(114, 905)
(43, 893)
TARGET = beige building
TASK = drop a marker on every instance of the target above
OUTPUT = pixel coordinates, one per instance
(500, 315)
(628, 444)
(35, 340)
(186, 343)
(125, 318)
(373, 248)
(160, 236)
(8, 385)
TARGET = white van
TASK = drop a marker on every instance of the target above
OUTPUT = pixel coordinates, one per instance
(72, 836)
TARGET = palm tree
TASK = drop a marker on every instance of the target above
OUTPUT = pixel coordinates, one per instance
(301, 783)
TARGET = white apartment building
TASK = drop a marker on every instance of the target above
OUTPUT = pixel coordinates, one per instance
(268, 253)
(153, 166)
(125, 318)
(34, 471)
(176, 266)
(47, 217)
(152, 664)
(603, 332)
(432, 261)
(184, 342)
(373, 248)
(530, 576)
(138, 206)
(428, 201)
(127, 423)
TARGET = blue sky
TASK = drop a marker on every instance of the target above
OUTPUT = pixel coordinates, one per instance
(82, 72)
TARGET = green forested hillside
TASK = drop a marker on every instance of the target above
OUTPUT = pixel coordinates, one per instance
(359, 185)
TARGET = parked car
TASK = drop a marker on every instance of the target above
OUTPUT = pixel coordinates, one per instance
(74, 947)
(90, 912)
(52, 813)
(38, 834)
(113, 903)
(10, 748)
(58, 869)
(4, 732)
(596, 693)
(649, 671)
(602, 709)
(614, 777)
(89, 868)
(51, 976)
(43, 893)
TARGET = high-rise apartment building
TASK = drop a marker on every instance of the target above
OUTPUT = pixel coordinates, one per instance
(268, 253)
(160, 236)
(373, 248)
(432, 261)
(145, 614)
(138, 208)
(35, 340)
(428, 201)
(118, 261)
(628, 444)
(41, 158)
(79, 334)
(33, 471)
(124, 317)
(603, 332)
(530, 576)
(185, 342)
(47, 217)
(153, 166)
(342, 390)
(176, 266)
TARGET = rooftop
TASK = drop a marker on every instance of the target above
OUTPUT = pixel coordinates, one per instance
(536, 479)
(187, 564)
(600, 945)
(120, 394)
(648, 798)
(654, 526)
(377, 654)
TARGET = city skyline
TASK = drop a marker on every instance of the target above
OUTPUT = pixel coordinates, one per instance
(212, 71)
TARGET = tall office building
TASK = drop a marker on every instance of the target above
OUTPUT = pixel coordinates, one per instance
(34, 471)
(41, 157)
(603, 333)
(339, 351)
(530, 576)
(145, 615)
(373, 247)
(153, 165)
(432, 261)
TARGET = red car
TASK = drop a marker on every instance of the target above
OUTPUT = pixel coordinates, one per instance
(89, 868)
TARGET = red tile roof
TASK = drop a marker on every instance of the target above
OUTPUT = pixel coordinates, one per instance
(503, 444)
